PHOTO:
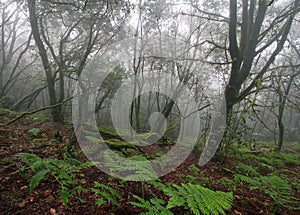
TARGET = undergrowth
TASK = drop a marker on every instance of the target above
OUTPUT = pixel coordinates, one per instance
(194, 194)
(276, 185)
(105, 194)
(194, 197)
(62, 171)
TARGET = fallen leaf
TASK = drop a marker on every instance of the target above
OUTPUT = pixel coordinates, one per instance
(24, 187)
(237, 212)
(52, 211)
(22, 204)
(47, 192)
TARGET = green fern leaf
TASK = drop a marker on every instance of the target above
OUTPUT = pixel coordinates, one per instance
(63, 171)
(154, 206)
(275, 186)
(100, 201)
(37, 178)
(138, 166)
(107, 194)
(198, 199)
(65, 194)
(247, 169)
(244, 178)
(142, 203)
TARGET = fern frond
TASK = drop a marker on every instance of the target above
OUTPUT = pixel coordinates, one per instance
(247, 169)
(244, 178)
(65, 194)
(198, 199)
(275, 186)
(278, 189)
(136, 168)
(29, 158)
(142, 202)
(107, 194)
(33, 161)
(100, 201)
(63, 171)
(37, 178)
(154, 206)
(291, 158)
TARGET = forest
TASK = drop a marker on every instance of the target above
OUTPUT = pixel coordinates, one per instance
(150, 107)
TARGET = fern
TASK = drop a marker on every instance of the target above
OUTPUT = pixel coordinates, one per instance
(277, 187)
(106, 194)
(63, 171)
(197, 198)
(135, 168)
(65, 194)
(247, 169)
(271, 161)
(33, 161)
(291, 158)
(266, 165)
(243, 178)
(195, 169)
(154, 206)
(37, 178)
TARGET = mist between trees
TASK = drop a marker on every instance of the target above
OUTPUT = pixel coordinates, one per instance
(247, 49)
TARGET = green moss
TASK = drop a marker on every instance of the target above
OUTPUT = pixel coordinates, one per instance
(119, 144)
(108, 132)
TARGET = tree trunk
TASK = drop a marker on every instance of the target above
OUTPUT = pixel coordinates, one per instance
(243, 54)
(1, 84)
(56, 110)
(280, 135)
(61, 93)
(281, 107)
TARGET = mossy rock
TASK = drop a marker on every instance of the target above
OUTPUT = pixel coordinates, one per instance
(108, 132)
(119, 144)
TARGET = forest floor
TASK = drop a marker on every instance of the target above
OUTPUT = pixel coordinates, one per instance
(15, 197)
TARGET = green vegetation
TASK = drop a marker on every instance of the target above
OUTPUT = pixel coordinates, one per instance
(105, 194)
(193, 197)
(276, 185)
(198, 199)
(149, 107)
(154, 206)
(4, 111)
(63, 172)
(258, 170)
(247, 176)
(40, 117)
(35, 132)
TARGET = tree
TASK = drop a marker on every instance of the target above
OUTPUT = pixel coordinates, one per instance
(82, 30)
(254, 40)
(283, 86)
(256, 37)
(283, 89)
(15, 42)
